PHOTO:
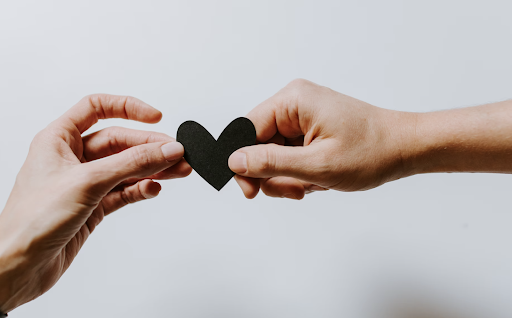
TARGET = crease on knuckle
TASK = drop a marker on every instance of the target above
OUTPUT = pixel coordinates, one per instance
(299, 83)
(127, 196)
(96, 102)
(133, 194)
(129, 100)
(114, 136)
(141, 158)
(266, 163)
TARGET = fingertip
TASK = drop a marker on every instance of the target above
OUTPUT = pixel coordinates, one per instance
(149, 188)
(237, 162)
(172, 150)
(300, 194)
(188, 170)
(157, 117)
(183, 169)
(153, 189)
(151, 114)
(250, 187)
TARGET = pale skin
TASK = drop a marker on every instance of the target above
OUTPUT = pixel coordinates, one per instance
(345, 144)
(310, 137)
(62, 192)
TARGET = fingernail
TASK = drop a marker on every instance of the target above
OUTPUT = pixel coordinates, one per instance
(290, 196)
(317, 188)
(238, 162)
(153, 191)
(172, 151)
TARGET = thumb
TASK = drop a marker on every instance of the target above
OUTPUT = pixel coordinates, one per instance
(271, 160)
(135, 162)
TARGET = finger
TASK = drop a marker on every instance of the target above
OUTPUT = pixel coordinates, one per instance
(298, 141)
(270, 160)
(281, 113)
(101, 106)
(142, 190)
(286, 187)
(310, 187)
(180, 170)
(250, 187)
(113, 140)
(276, 139)
(283, 187)
(136, 162)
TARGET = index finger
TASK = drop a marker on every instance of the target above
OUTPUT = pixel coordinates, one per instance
(282, 113)
(102, 106)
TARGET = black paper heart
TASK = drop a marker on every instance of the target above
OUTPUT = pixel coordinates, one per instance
(209, 157)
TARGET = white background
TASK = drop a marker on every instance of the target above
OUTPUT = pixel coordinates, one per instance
(439, 244)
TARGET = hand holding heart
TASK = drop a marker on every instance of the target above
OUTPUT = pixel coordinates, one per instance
(313, 138)
(62, 192)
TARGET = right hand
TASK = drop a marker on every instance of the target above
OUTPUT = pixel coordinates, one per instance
(313, 138)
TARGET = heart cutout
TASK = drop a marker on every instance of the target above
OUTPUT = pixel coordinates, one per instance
(209, 157)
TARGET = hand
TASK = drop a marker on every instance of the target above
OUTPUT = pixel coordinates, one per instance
(63, 192)
(313, 138)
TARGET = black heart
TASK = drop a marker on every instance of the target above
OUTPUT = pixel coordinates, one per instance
(209, 157)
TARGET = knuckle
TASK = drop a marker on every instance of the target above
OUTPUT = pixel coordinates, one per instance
(112, 135)
(93, 99)
(128, 196)
(95, 102)
(38, 138)
(299, 86)
(141, 157)
(49, 135)
(94, 220)
(299, 83)
(296, 91)
(265, 163)
(130, 100)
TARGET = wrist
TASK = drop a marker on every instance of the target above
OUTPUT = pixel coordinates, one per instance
(14, 271)
(13, 279)
(421, 142)
(474, 139)
(403, 146)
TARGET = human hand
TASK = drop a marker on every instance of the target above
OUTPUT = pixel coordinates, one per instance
(62, 192)
(313, 138)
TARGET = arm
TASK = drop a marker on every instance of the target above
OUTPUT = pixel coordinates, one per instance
(313, 139)
(474, 139)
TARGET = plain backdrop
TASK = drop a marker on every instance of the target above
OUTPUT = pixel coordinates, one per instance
(427, 245)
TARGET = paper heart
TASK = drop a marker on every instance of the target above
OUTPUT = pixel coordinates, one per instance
(209, 157)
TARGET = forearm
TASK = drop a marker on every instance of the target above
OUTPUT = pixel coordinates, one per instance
(474, 139)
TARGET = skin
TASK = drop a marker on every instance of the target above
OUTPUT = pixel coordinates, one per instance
(62, 192)
(312, 138)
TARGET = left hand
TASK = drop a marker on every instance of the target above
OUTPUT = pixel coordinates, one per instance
(63, 192)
